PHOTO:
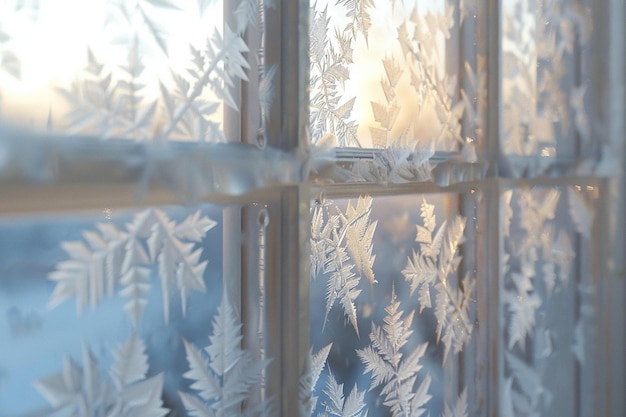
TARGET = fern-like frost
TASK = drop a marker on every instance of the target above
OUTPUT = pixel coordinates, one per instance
(431, 270)
(225, 376)
(109, 258)
(391, 368)
(342, 251)
(80, 391)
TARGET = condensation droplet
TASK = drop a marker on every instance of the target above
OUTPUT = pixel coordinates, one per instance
(263, 218)
(261, 141)
(320, 199)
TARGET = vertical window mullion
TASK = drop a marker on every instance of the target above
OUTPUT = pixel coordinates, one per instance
(492, 15)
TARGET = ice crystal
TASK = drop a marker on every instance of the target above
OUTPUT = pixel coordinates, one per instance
(535, 247)
(111, 107)
(342, 251)
(538, 253)
(330, 112)
(118, 101)
(340, 406)
(459, 409)
(408, 70)
(359, 13)
(80, 391)
(108, 258)
(530, 394)
(433, 89)
(542, 97)
(216, 68)
(309, 380)
(391, 368)
(431, 268)
(224, 377)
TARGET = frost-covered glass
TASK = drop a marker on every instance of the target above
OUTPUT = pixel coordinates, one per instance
(546, 84)
(396, 74)
(127, 314)
(140, 69)
(393, 296)
(548, 296)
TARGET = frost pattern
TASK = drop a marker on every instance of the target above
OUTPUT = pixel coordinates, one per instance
(537, 250)
(341, 251)
(308, 381)
(392, 357)
(81, 391)
(431, 268)
(538, 255)
(150, 95)
(109, 258)
(224, 376)
(340, 406)
(415, 99)
(393, 370)
(460, 408)
(112, 107)
(334, 402)
(544, 97)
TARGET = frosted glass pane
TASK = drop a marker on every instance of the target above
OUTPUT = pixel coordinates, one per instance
(140, 69)
(396, 73)
(548, 295)
(122, 313)
(546, 82)
(393, 305)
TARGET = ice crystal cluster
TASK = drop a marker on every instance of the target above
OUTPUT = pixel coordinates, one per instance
(343, 251)
(409, 96)
(152, 80)
(544, 102)
(537, 271)
(431, 268)
(110, 260)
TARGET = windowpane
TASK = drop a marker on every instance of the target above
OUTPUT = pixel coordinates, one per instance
(140, 69)
(125, 312)
(400, 73)
(393, 304)
(548, 299)
(546, 83)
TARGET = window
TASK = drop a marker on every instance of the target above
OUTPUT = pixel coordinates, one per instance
(330, 207)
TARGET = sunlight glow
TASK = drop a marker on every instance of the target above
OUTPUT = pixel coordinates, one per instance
(52, 43)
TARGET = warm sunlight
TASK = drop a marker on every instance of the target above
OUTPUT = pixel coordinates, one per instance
(51, 40)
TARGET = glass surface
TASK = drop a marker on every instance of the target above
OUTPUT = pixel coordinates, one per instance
(546, 82)
(140, 69)
(419, 302)
(548, 309)
(393, 305)
(401, 73)
(122, 313)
